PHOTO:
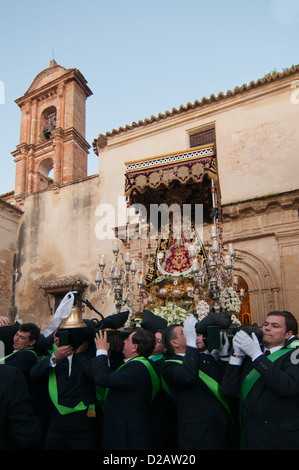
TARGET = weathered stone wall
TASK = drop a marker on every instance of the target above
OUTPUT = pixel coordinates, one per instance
(265, 233)
(56, 240)
(9, 220)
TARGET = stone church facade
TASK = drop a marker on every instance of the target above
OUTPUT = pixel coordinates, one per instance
(246, 141)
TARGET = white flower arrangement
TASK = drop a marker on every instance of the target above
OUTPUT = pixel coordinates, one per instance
(229, 300)
(235, 320)
(202, 309)
(172, 313)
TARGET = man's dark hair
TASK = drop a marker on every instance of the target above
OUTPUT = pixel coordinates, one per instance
(168, 334)
(145, 340)
(291, 322)
(31, 328)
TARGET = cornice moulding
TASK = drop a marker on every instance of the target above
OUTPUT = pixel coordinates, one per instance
(198, 110)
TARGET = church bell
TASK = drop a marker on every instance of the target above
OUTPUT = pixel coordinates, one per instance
(74, 320)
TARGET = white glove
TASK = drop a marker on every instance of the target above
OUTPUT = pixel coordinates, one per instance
(189, 331)
(236, 348)
(225, 346)
(248, 344)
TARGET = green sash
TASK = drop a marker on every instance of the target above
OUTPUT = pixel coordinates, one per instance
(64, 410)
(254, 375)
(9, 355)
(211, 383)
(154, 377)
(51, 351)
(103, 392)
(156, 358)
(251, 379)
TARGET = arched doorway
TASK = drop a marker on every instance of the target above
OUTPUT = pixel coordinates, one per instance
(264, 292)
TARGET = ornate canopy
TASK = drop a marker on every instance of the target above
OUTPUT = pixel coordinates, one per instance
(185, 166)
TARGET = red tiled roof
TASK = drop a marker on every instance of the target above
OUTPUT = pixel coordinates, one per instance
(204, 101)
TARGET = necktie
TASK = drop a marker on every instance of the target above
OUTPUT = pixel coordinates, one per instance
(267, 352)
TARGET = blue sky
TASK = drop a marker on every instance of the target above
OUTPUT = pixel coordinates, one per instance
(139, 57)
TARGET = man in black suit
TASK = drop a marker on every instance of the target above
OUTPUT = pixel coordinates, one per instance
(22, 352)
(268, 384)
(20, 429)
(7, 332)
(129, 392)
(163, 408)
(72, 392)
(204, 420)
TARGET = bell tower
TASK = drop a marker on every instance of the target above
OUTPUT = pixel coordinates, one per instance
(52, 146)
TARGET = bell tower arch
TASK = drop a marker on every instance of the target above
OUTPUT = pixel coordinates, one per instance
(52, 131)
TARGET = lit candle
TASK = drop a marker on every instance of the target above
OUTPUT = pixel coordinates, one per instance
(235, 282)
(112, 266)
(227, 262)
(213, 231)
(231, 250)
(115, 247)
(115, 273)
(133, 266)
(215, 246)
(102, 261)
(195, 266)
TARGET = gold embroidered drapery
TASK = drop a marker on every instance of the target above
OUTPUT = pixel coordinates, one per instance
(187, 165)
(65, 283)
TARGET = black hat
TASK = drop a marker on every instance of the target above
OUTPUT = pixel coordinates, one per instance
(221, 319)
(76, 336)
(152, 322)
(114, 321)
